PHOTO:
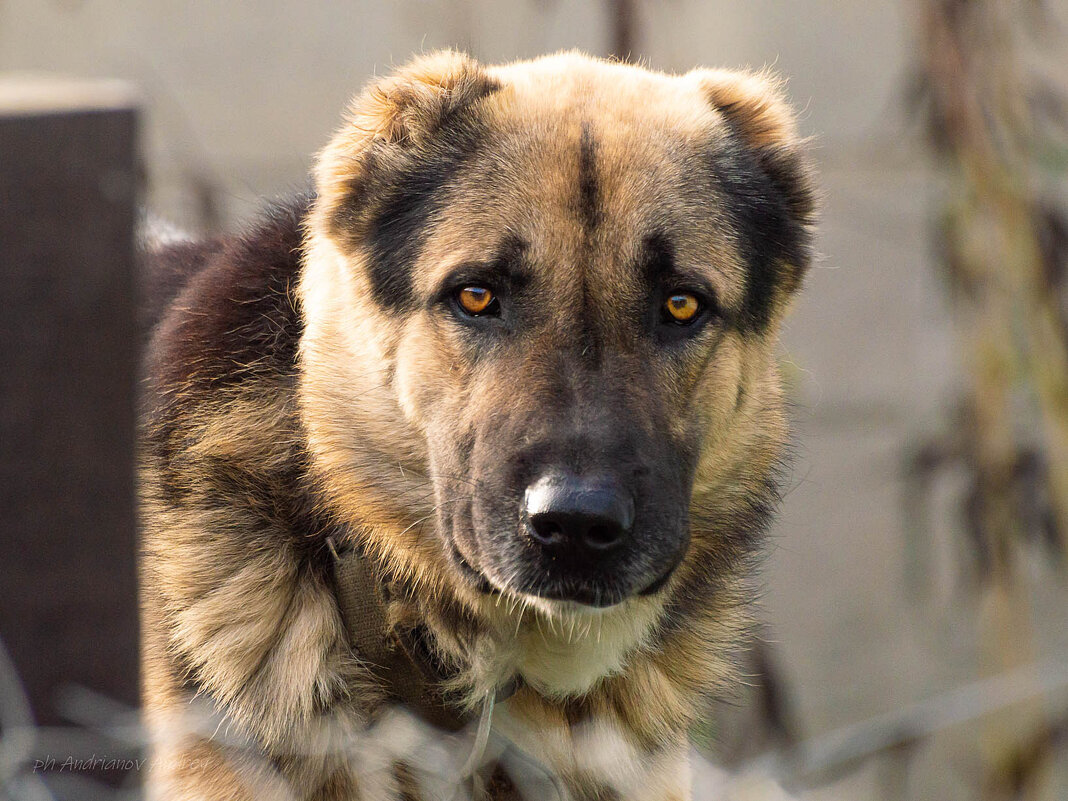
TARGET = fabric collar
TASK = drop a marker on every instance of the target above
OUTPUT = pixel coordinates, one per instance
(401, 660)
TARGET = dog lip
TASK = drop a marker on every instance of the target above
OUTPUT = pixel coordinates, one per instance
(594, 597)
(470, 572)
(600, 597)
(657, 584)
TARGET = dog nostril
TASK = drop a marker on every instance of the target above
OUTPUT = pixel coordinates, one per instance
(546, 530)
(602, 536)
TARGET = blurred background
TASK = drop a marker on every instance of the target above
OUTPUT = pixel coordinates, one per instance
(915, 643)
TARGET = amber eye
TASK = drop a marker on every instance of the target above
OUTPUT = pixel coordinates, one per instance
(476, 300)
(682, 307)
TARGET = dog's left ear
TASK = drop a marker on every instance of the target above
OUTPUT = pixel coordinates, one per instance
(754, 106)
(781, 203)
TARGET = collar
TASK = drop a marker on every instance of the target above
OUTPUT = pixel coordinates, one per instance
(400, 660)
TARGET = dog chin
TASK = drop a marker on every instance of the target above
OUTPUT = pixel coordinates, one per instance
(566, 647)
(562, 647)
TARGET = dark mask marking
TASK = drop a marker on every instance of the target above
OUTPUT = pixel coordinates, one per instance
(401, 220)
(389, 210)
(776, 244)
(658, 260)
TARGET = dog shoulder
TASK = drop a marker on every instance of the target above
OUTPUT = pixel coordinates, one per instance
(233, 313)
(235, 592)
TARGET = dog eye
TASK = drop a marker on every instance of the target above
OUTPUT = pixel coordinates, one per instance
(681, 308)
(477, 301)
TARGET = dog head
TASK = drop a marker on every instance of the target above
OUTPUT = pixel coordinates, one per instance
(541, 304)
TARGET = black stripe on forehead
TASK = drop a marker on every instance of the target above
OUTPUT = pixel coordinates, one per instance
(775, 243)
(588, 197)
(589, 212)
(391, 210)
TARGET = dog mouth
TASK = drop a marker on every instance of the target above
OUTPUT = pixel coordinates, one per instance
(583, 594)
(599, 596)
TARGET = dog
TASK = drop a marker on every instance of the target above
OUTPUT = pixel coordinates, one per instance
(484, 430)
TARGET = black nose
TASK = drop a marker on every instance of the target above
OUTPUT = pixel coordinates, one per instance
(578, 514)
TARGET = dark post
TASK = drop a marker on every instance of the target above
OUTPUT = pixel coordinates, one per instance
(69, 178)
(624, 23)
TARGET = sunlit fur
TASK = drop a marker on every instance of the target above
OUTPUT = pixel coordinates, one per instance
(321, 421)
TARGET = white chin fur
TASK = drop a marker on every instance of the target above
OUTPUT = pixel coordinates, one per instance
(563, 648)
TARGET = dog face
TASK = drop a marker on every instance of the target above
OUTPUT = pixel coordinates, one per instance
(555, 285)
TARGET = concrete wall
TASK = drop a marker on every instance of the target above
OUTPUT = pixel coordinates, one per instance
(241, 93)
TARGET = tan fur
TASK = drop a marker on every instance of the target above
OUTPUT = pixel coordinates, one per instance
(609, 694)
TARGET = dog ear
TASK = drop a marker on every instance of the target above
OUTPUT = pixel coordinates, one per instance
(415, 103)
(754, 106)
(379, 182)
(752, 102)
(396, 116)
(769, 179)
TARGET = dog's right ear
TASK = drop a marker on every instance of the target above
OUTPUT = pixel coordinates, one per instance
(380, 180)
(415, 103)
(397, 115)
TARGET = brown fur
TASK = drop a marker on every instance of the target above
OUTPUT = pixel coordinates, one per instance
(298, 386)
